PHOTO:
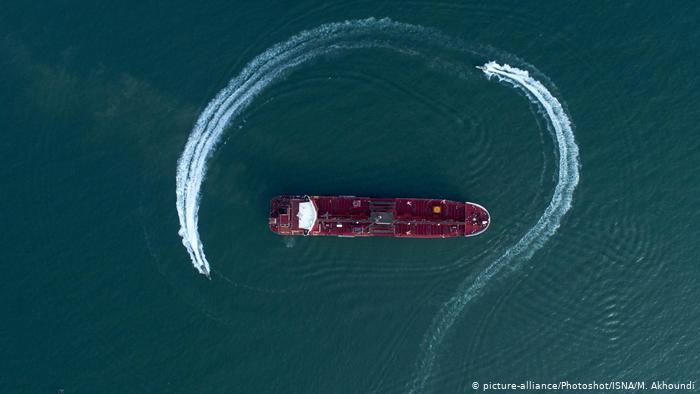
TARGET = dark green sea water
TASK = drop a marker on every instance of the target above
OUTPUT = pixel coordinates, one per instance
(100, 296)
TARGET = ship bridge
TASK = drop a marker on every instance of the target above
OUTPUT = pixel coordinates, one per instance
(307, 215)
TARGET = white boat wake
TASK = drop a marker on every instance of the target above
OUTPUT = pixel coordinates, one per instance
(534, 238)
(265, 69)
(276, 62)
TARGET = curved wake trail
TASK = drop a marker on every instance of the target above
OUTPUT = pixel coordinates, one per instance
(276, 62)
(533, 240)
(237, 96)
(262, 71)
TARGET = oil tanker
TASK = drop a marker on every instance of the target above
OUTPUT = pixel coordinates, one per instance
(350, 216)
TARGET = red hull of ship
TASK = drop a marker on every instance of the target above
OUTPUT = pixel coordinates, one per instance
(349, 216)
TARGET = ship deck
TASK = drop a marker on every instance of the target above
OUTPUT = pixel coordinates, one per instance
(400, 217)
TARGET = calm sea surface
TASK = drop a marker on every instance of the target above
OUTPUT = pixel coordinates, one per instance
(99, 295)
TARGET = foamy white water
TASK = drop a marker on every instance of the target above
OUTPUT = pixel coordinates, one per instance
(274, 63)
(535, 237)
(235, 98)
(262, 71)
